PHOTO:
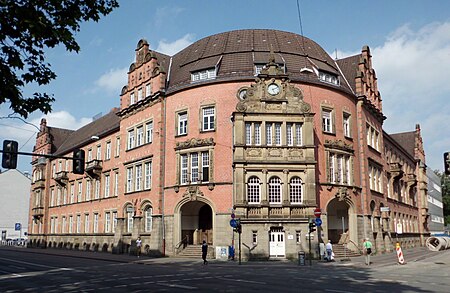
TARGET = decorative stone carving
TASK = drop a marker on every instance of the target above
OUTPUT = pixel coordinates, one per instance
(254, 152)
(275, 152)
(338, 144)
(295, 153)
(192, 192)
(342, 193)
(194, 142)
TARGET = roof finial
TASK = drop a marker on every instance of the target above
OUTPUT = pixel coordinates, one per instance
(272, 55)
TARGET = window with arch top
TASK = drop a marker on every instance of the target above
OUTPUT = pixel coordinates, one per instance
(253, 190)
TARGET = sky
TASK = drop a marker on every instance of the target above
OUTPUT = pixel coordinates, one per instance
(409, 42)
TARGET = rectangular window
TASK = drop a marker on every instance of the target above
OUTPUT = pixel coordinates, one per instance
(269, 133)
(107, 184)
(97, 189)
(148, 90)
(58, 197)
(130, 139)
(148, 220)
(86, 223)
(148, 175)
(205, 166)
(248, 133)
(132, 101)
(203, 74)
(96, 223)
(298, 134)
(208, 118)
(114, 221)
(332, 174)
(107, 222)
(63, 225)
(194, 168)
(278, 133)
(149, 132)
(298, 236)
(88, 190)
(116, 183)
(130, 179)
(139, 94)
(89, 155)
(72, 193)
(108, 151)
(184, 169)
(52, 197)
(182, 123)
(327, 121)
(117, 146)
(129, 222)
(71, 224)
(255, 237)
(99, 152)
(80, 191)
(346, 124)
(138, 181)
(257, 137)
(139, 136)
(78, 224)
(289, 134)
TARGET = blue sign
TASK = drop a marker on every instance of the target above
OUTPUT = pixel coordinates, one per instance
(233, 223)
(18, 227)
(318, 222)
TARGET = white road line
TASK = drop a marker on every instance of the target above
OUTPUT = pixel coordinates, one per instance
(177, 286)
(339, 291)
(243, 281)
(32, 274)
(28, 263)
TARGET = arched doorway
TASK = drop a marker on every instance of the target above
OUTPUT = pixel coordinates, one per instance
(337, 219)
(196, 222)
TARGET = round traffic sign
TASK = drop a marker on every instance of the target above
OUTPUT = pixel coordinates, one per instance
(233, 223)
(318, 222)
(317, 212)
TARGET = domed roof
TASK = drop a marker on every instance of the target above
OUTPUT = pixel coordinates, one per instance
(236, 53)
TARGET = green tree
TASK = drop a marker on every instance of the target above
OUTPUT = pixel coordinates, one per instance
(27, 28)
(445, 188)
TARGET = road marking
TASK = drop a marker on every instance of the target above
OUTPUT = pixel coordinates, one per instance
(176, 286)
(32, 274)
(243, 281)
(28, 263)
(331, 290)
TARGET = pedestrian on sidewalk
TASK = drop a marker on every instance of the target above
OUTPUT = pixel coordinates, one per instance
(329, 249)
(204, 252)
(138, 246)
(367, 247)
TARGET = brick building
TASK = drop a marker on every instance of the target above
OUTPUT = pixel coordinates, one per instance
(261, 123)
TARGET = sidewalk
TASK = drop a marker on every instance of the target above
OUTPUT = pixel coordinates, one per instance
(410, 255)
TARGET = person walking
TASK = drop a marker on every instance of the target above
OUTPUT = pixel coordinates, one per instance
(204, 252)
(367, 246)
(329, 249)
(138, 246)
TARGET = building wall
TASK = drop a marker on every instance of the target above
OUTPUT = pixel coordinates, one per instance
(435, 204)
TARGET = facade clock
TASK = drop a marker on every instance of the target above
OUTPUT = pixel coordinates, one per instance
(273, 89)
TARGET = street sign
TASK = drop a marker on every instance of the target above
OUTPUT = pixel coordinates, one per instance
(233, 216)
(318, 222)
(18, 227)
(317, 212)
(384, 209)
(233, 223)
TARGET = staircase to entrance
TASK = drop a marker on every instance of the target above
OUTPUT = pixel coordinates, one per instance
(194, 251)
(341, 252)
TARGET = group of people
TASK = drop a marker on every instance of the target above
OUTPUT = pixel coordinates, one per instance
(367, 251)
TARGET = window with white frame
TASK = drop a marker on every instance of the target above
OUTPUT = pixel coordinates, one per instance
(148, 90)
(70, 224)
(148, 219)
(88, 189)
(373, 137)
(253, 133)
(108, 150)
(149, 132)
(339, 168)
(275, 190)
(139, 136)
(346, 124)
(130, 139)
(139, 94)
(296, 190)
(89, 155)
(203, 74)
(114, 221)
(52, 225)
(277, 133)
(208, 118)
(117, 153)
(289, 134)
(58, 197)
(64, 193)
(328, 77)
(194, 167)
(52, 197)
(269, 134)
(132, 100)
(86, 223)
(298, 236)
(56, 225)
(182, 123)
(99, 152)
(139, 176)
(138, 181)
(129, 179)
(63, 225)
(78, 229)
(107, 222)
(95, 223)
(327, 120)
(253, 190)
(107, 186)
(375, 180)
(147, 175)
(129, 222)
(97, 189)
(258, 68)
(116, 183)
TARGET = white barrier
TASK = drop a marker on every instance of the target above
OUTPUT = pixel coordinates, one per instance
(436, 243)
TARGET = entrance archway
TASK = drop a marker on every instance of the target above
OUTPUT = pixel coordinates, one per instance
(338, 219)
(196, 222)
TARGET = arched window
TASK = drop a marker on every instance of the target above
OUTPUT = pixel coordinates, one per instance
(296, 190)
(275, 190)
(148, 218)
(130, 213)
(253, 190)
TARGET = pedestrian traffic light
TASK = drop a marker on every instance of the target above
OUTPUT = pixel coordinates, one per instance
(239, 228)
(447, 163)
(78, 162)
(312, 227)
(9, 157)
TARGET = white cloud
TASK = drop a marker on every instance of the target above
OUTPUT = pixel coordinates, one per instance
(412, 70)
(113, 80)
(165, 14)
(176, 46)
(62, 119)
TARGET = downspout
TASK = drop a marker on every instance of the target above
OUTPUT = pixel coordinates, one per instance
(361, 164)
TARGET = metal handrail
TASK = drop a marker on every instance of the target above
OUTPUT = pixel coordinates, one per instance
(183, 241)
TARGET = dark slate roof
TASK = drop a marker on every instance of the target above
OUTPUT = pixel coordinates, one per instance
(58, 136)
(349, 68)
(100, 127)
(237, 52)
(407, 140)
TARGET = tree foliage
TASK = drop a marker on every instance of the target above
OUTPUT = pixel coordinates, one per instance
(27, 28)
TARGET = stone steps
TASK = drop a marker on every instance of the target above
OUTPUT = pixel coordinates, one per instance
(194, 251)
(341, 252)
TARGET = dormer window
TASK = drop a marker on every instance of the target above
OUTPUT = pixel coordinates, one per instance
(260, 67)
(328, 77)
(203, 74)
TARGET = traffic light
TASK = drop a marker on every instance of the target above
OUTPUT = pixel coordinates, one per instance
(239, 228)
(312, 226)
(78, 162)
(9, 158)
(447, 163)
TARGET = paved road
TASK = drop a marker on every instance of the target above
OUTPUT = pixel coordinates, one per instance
(25, 270)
